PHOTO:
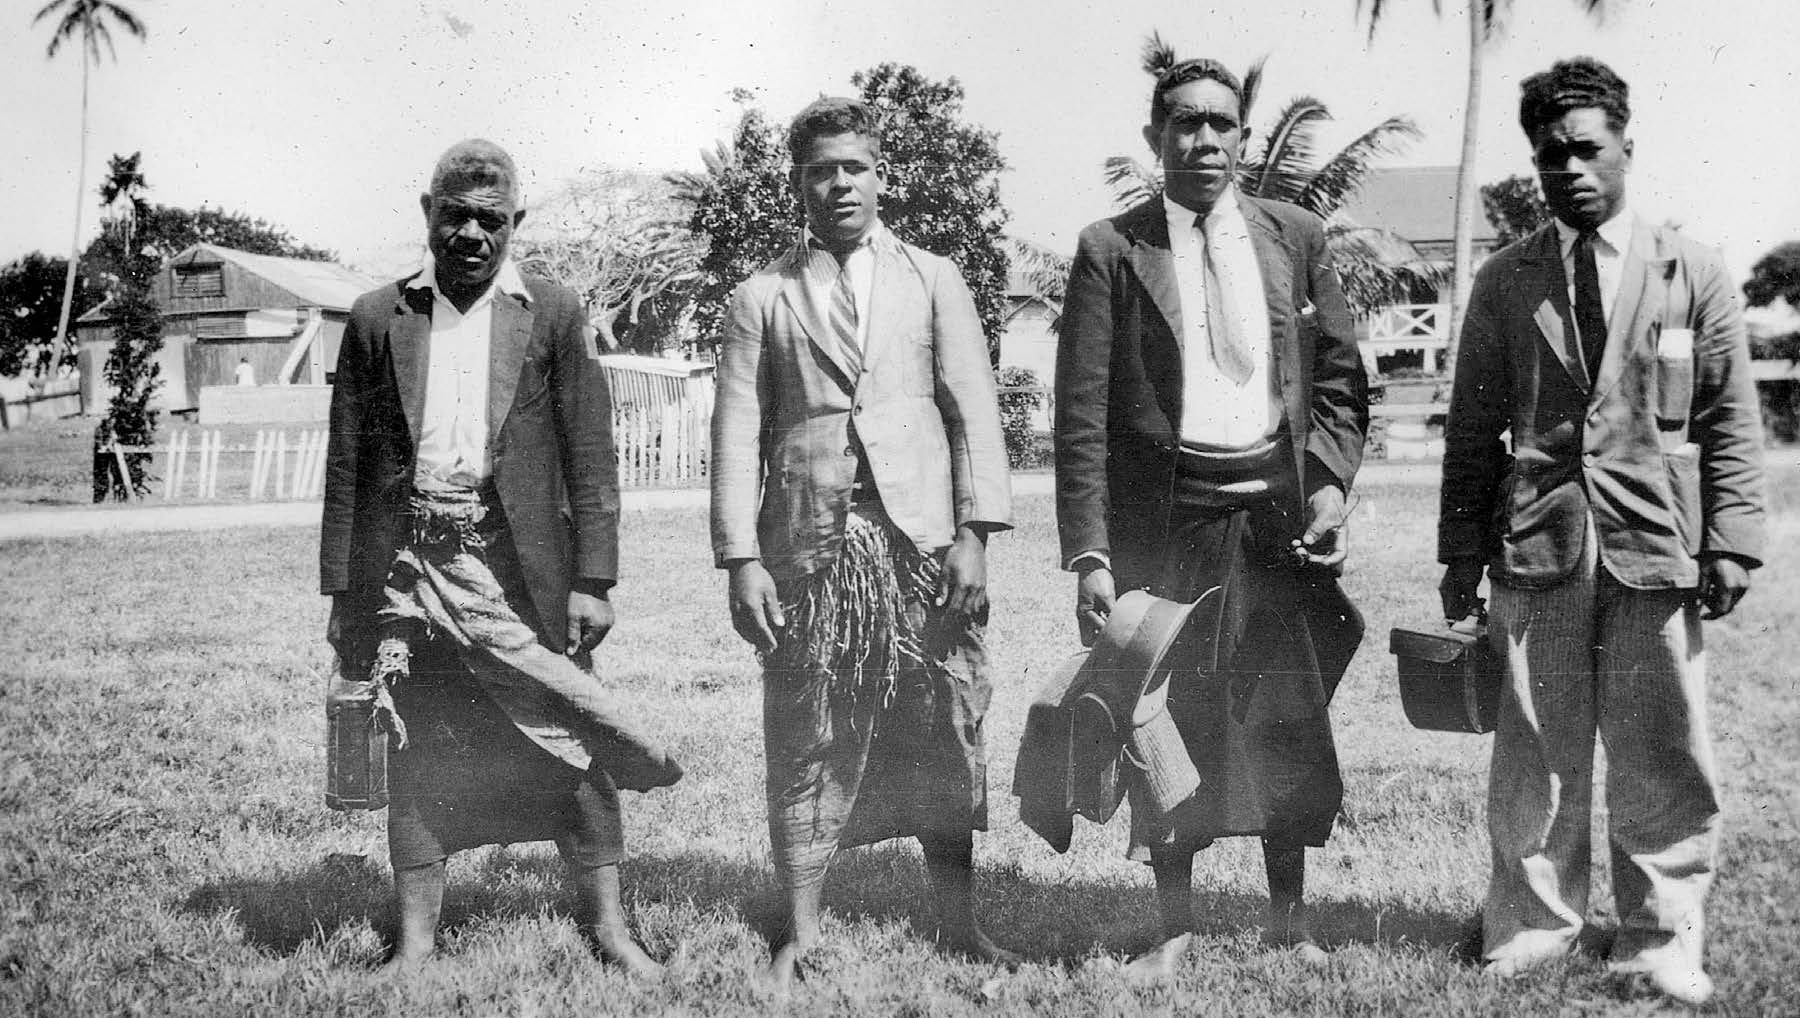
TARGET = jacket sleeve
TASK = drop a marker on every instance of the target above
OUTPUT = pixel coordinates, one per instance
(582, 404)
(349, 403)
(1340, 386)
(742, 409)
(1725, 422)
(1475, 460)
(1083, 390)
(964, 386)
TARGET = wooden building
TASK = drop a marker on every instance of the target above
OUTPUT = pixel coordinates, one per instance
(222, 308)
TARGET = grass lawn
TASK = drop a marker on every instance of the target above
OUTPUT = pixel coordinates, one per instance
(165, 851)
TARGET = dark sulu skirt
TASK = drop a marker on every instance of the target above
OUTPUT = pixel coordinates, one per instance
(1252, 701)
(469, 777)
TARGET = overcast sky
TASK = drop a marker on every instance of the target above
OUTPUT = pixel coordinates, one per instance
(324, 116)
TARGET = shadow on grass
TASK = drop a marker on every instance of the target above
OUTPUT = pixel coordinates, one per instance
(1055, 922)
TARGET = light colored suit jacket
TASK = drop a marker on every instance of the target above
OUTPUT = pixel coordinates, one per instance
(790, 414)
(550, 433)
(1664, 447)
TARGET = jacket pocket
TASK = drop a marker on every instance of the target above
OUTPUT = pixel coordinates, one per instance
(1674, 379)
(1545, 533)
(1682, 464)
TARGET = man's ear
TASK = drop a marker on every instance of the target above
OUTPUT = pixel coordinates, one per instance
(425, 205)
(1153, 138)
(1627, 149)
(881, 176)
(518, 217)
(1243, 138)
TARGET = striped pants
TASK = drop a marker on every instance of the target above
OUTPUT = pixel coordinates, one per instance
(1593, 655)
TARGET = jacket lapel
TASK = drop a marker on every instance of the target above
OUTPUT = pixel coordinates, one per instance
(1548, 288)
(1277, 271)
(796, 291)
(508, 339)
(1154, 262)
(1643, 288)
(883, 312)
(409, 342)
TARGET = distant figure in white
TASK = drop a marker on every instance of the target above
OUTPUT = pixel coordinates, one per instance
(246, 375)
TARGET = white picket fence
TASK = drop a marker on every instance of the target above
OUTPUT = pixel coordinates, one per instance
(278, 468)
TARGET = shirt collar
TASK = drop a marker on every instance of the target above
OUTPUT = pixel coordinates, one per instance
(1180, 217)
(506, 280)
(869, 240)
(1616, 232)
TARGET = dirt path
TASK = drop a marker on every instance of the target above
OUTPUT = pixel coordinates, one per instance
(79, 521)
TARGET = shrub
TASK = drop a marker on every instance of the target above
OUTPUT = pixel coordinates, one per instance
(1020, 397)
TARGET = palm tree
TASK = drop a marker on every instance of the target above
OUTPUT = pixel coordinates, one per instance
(85, 20)
(1376, 266)
(1486, 21)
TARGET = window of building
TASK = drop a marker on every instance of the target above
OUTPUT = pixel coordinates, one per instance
(199, 281)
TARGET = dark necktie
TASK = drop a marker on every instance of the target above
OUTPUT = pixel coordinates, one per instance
(1590, 316)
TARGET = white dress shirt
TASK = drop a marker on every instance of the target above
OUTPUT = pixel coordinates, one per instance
(453, 428)
(822, 268)
(1613, 240)
(1215, 410)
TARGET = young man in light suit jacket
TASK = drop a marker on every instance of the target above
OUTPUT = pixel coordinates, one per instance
(1631, 497)
(858, 470)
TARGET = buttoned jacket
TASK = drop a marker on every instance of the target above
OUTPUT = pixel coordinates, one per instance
(795, 411)
(1662, 447)
(1119, 373)
(550, 434)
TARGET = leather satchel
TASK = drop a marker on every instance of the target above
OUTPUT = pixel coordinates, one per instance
(1450, 679)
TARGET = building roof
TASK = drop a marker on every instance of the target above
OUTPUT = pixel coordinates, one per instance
(326, 284)
(1417, 202)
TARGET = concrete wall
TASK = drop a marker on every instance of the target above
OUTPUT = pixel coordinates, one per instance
(264, 404)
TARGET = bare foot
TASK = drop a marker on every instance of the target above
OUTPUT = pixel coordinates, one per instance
(973, 942)
(1291, 930)
(1156, 967)
(784, 967)
(404, 960)
(616, 948)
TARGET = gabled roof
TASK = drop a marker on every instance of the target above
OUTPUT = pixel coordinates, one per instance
(326, 284)
(1417, 202)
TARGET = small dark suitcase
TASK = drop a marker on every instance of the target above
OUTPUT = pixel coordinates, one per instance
(1449, 679)
(356, 749)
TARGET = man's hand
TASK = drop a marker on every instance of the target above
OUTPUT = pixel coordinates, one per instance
(1457, 590)
(1723, 583)
(1094, 597)
(755, 606)
(1324, 542)
(962, 590)
(590, 619)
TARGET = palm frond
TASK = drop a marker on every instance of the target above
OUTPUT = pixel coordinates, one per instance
(1132, 182)
(1377, 267)
(1337, 181)
(1252, 85)
(1290, 152)
(124, 16)
(1157, 55)
(1045, 271)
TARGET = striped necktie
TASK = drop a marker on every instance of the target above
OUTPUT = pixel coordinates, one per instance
(1230, 351)
(843, 316)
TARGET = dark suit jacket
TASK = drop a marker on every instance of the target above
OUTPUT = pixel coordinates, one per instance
(1119, 372)
(550, 427)
(1664, 448)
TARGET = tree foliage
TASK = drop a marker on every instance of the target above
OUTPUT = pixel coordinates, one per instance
(1514, 207)
(620, 240)
(1375, 266)
(131, 370)
(30, 302)
(942, 195)
(1776, 274)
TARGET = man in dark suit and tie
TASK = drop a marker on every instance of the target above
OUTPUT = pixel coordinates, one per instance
(1628, 499)
(1210, 415)
(470, 537)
